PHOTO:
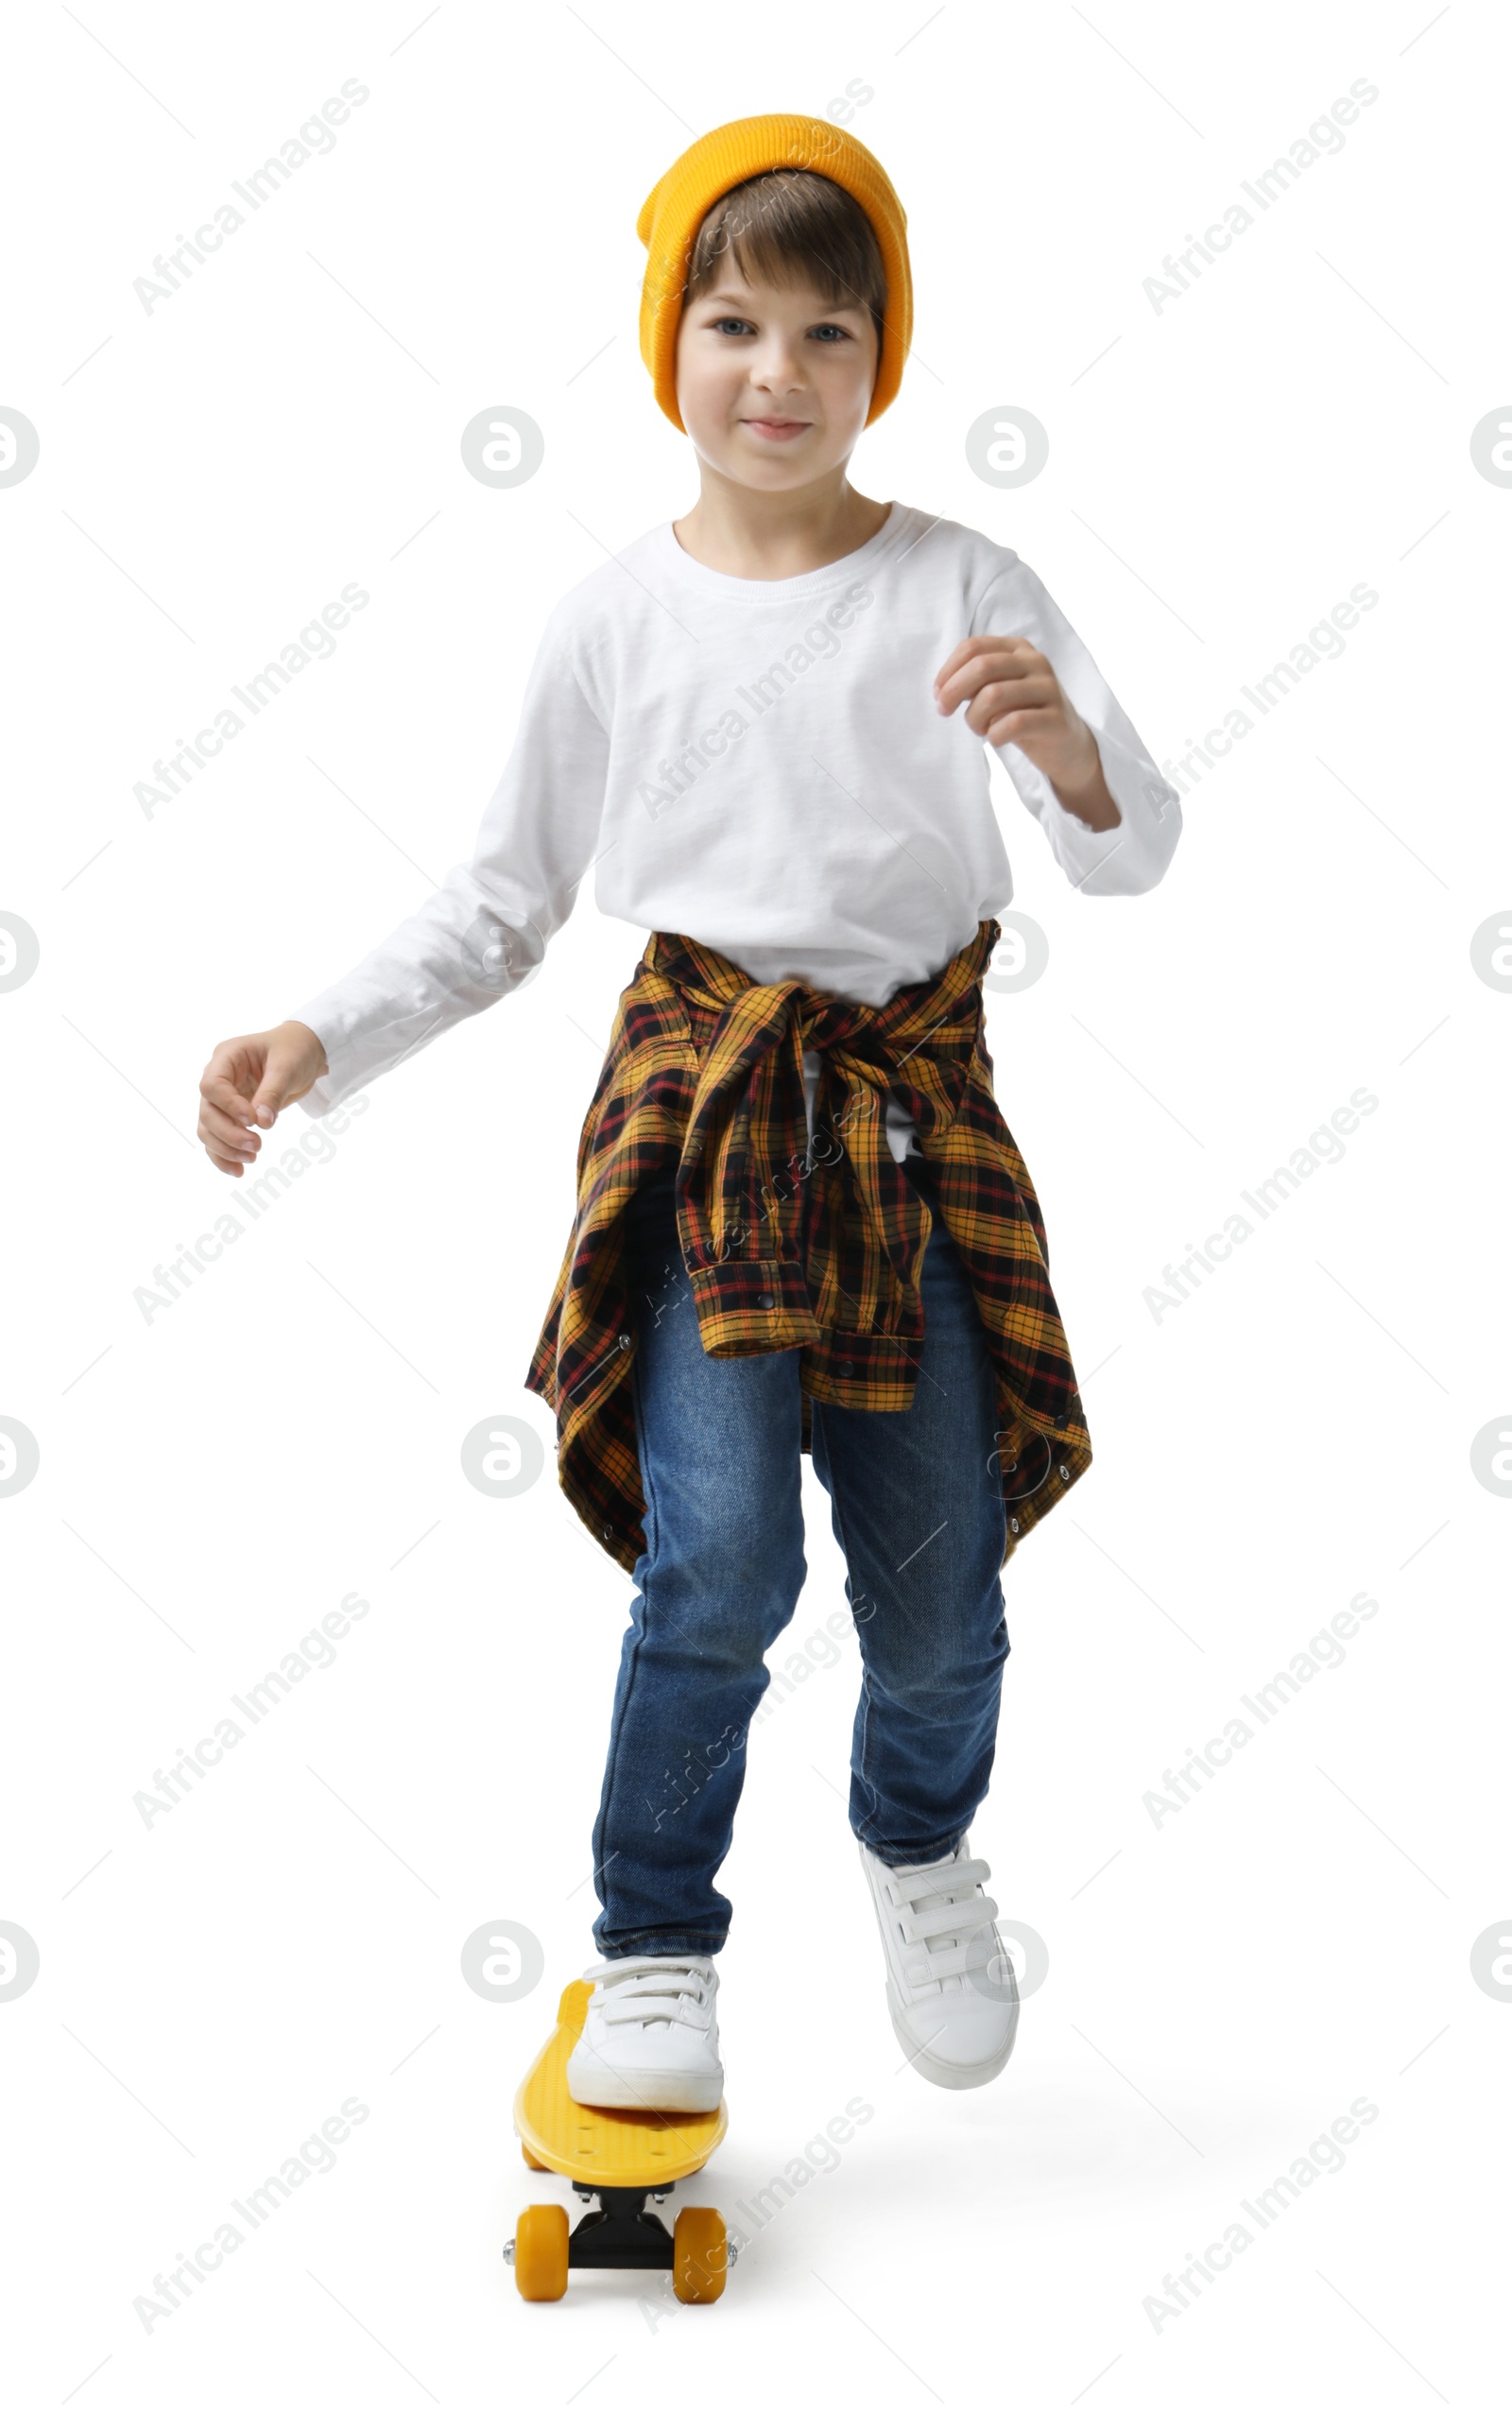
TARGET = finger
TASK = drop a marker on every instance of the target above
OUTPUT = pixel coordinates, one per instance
(1031, 694)
(222, 1093)
(235, 1064)
(227, 1130)
(1014, 727)
(971, 646)
(274, 1089)
(223, 1161)
(984, 667)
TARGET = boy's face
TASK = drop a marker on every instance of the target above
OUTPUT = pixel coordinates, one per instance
(773, 383)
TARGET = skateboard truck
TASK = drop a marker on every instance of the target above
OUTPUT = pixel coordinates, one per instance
(622, 2233)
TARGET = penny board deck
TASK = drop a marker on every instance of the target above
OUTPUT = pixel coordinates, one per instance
(616, 2148)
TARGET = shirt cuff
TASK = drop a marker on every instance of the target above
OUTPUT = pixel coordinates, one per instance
(1121, 861)
(356, 1055)
(337, 1080)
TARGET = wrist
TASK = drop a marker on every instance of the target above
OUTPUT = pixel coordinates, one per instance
(1088, 796)
(312, 1049)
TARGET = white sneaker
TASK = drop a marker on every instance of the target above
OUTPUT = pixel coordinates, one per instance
(650, 2039)
(951, 1987)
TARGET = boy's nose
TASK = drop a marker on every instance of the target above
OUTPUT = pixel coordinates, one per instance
(777, 385)
(776, 365)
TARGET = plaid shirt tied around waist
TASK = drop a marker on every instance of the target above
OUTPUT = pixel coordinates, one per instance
(788, 1246)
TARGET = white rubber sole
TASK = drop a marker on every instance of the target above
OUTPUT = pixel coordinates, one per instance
(948, 2073)
(598, 2087)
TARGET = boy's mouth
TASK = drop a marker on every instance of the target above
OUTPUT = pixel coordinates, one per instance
(778, 429)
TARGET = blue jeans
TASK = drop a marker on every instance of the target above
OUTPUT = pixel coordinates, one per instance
(917, 1507)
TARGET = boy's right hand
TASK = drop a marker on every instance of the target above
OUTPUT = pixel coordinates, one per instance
(247, 1084)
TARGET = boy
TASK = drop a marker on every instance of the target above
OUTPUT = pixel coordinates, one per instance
(732, 722)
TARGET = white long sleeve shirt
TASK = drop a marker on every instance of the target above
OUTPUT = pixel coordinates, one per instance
(757, 764)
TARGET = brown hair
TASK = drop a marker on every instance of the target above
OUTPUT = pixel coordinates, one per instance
(789, 225)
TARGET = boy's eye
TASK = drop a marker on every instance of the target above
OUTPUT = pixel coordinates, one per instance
(742, 325)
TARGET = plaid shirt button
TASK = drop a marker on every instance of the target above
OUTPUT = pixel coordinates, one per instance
(847, 1371)
(764, 1301)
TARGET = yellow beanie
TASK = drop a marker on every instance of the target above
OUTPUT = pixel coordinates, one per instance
(676, 207)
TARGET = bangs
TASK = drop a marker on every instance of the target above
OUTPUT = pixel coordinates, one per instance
(791, 227)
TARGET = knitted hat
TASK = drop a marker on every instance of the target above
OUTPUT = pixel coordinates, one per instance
(676, 207)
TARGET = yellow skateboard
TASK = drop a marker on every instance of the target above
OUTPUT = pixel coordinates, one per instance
(621, 2156)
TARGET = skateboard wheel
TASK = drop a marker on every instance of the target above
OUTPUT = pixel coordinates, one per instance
(699, 2256)
(541, 2252)
(529, 2158)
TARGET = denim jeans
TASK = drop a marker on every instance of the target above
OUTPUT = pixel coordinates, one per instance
(917, 1507)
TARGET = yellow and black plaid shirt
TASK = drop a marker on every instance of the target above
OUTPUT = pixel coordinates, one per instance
(792, 1246)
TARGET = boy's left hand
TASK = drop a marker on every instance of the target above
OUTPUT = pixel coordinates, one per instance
(1016, 698)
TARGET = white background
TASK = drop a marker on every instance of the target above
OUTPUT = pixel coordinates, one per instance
(215, 1480)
